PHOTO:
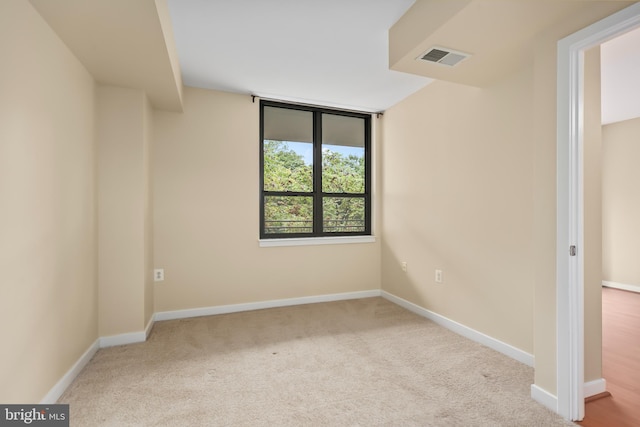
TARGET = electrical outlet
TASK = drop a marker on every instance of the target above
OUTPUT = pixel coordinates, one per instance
(438, 276)
(158, 275)
(403, 264)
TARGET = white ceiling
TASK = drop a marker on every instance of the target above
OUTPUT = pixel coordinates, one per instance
(335, 52)
(327, 52)
(621, 78)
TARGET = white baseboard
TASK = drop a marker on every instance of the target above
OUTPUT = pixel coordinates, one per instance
(594, 387)
(147, 329)
(465, 331)
(128, 338)
(122, 339)
(54, 394)
(622, 286)
(545, 398)
(66, 380)
(235, 308)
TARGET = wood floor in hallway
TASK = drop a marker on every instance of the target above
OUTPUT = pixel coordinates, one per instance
(620, 362)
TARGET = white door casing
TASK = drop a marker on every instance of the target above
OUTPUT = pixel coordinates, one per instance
(570, 216)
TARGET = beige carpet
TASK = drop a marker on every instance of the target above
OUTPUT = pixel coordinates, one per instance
(363, 362)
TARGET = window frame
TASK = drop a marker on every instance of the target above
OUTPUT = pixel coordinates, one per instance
(317, 194)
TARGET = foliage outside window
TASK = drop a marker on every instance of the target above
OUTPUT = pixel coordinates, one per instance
(315, 172)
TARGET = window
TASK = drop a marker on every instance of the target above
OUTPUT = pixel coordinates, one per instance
(315, 169)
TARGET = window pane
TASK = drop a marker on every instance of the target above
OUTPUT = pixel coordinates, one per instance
(342, 154)
(342, 130)
(288, 166)
(284, 124)
(343, 214)
(288, 214)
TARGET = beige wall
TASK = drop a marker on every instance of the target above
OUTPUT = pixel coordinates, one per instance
(457, 196)
(592, 217)
(544, 209)
(48, 303)
(469, 186)
(206, 216)
(621, 202)
(124, 221)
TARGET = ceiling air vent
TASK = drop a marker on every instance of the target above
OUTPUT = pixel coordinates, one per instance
(444, 56)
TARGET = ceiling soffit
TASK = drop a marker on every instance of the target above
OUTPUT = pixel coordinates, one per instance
(122, 43)
(499, 34)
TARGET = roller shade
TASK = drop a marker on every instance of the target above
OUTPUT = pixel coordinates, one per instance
(342, 130)
(282, 124)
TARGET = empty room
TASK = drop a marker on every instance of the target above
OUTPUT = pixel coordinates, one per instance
(287, 212)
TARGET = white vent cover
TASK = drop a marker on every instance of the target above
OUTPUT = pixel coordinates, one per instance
(443, 56)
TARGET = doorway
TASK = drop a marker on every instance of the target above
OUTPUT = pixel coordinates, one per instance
(620, 65)
(570, 205)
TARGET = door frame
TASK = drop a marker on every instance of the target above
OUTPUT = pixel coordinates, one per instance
(570, 204)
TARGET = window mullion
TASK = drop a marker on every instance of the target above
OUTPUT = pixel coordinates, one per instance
(317, 172)
(368, 174)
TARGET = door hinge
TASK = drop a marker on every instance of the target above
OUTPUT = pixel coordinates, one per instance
(572, 250)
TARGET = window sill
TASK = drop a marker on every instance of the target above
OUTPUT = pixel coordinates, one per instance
(314, 241)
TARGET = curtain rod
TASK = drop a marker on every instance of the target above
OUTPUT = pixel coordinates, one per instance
(254, 96)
